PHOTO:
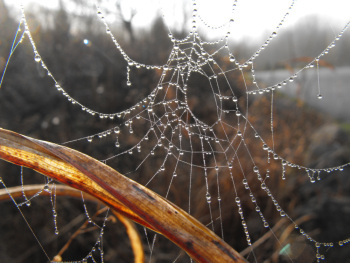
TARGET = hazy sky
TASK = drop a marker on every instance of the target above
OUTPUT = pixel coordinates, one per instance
(252, 17)
(255, 16)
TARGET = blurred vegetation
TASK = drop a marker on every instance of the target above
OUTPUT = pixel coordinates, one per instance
(95, 74)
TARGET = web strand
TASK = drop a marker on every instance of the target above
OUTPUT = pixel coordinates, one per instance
(167, 135)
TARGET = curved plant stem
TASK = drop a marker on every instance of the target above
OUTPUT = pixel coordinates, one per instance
(63, 190)
(118, 192)
(134, 237)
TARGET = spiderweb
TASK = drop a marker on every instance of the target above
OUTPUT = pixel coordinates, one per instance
(219, 155)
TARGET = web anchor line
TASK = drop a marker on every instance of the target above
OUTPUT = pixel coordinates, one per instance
(307, 66)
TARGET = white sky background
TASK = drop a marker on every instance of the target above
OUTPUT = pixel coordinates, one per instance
(252, 17)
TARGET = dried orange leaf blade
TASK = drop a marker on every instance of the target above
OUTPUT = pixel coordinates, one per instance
(119, 192)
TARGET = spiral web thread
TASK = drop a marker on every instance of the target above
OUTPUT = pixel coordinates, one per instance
(168, 129)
